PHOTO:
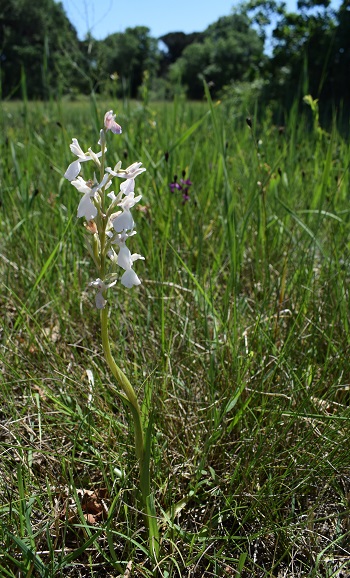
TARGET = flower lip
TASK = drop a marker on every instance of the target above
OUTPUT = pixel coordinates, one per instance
(129, 279)
(123, 222)
(73, 171)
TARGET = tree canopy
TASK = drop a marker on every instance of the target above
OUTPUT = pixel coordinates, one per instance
(229, 50)
(41, 55)
(37, 42)
(310, 47)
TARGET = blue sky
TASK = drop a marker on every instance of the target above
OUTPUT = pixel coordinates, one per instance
(104, 17)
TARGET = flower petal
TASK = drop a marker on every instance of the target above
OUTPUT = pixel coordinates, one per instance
(110, 124)
(81, 186)
(129, 201)
(94, 157)
(130, 173)
(124, 258)
(100, 300)
(136, 257)
(129, 279)
(72, 171)
(76, 149)
(127, 187)
(123, 221)
(97, 283)
(87, 208)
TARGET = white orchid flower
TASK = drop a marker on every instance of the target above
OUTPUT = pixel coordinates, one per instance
(86, 207)
(110, 124)
(102, 287)
(123, 221)
(130, 173)
(75, 167)
(126, 260)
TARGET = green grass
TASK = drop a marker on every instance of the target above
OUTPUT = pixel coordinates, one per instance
(237, 339)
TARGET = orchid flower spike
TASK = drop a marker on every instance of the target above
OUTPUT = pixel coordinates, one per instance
(108, 228)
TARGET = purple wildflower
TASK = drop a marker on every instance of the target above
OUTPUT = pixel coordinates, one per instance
(182, 186)
(174, 186)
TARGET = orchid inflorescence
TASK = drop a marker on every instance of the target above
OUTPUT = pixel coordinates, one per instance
(110, 228)
(109, 224)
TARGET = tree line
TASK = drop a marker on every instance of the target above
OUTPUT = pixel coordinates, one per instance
(41, 54)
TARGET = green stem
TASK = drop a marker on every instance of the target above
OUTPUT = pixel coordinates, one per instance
(142, 445)
(125, 386)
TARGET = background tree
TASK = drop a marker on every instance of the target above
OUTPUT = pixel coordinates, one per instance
(38, 41)
(303, 47)
(129, 55)
(341, 55)
(175, 43)
(310, 49)
(189, 69)
(230, 50)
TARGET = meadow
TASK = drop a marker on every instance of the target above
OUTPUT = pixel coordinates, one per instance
(237, 343)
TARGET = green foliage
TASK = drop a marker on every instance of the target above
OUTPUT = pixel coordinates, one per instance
(341, 55)
(128, 55)
(237, 338)
(38, 41)
(176, 42)
(292, 53)
(305, 37)
(308, 49)
(230, 51)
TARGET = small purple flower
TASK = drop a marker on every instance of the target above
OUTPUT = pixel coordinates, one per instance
(182, 186)
(174, 186)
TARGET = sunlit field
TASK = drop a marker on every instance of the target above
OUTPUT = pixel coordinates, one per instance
(236, 342)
